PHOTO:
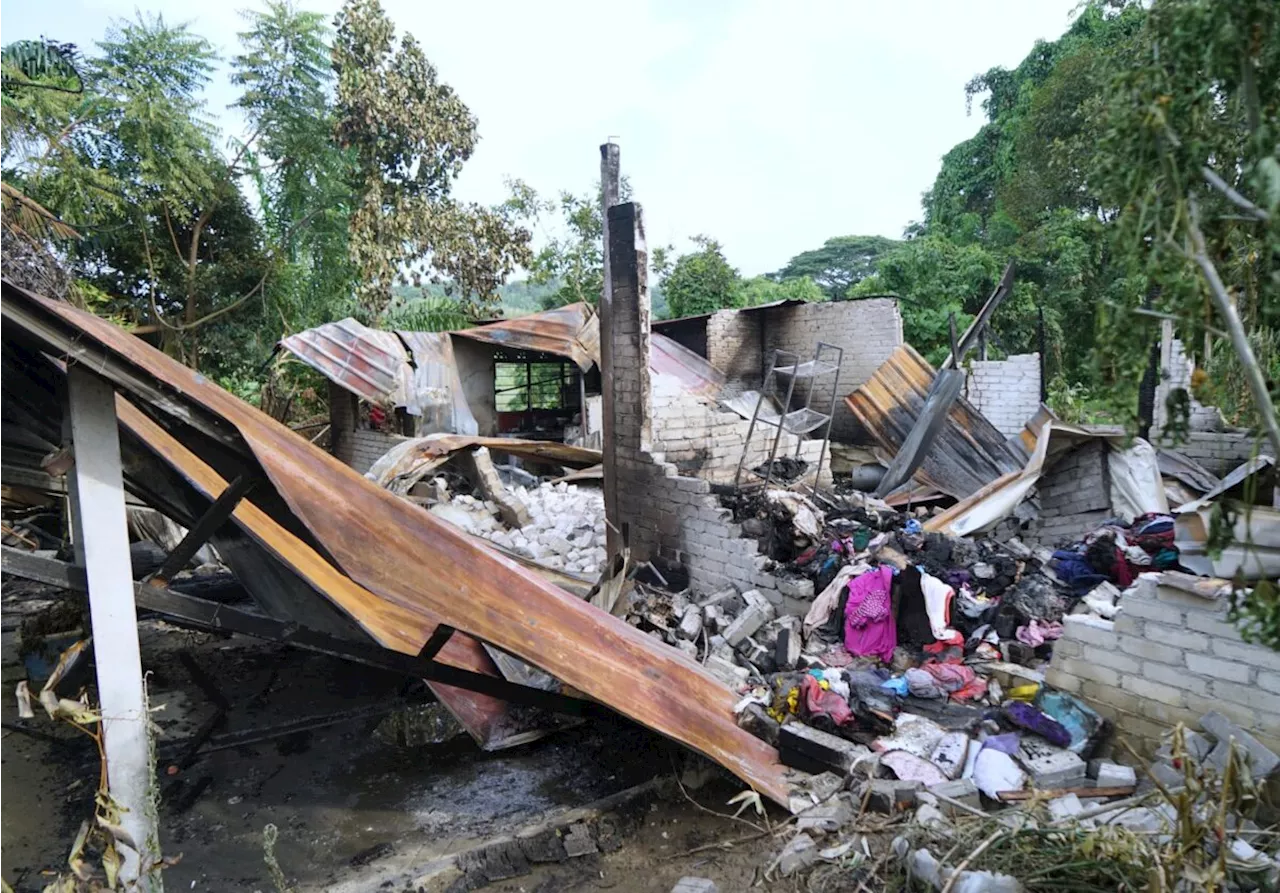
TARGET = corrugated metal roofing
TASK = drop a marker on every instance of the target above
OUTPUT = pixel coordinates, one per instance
(367, 362)
(571, 331)
(412, 572)
(695, 374)
(969, 452)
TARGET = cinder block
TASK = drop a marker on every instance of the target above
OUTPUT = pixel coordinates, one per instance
(1083, 669)
(1254, 655)
(1180, 599)
(1207, 623)
(1216, 669)
(1149, 650)
(1116, 660)
(1178, 677)
(1247, 695)
(1188, 640)
(1165, 694)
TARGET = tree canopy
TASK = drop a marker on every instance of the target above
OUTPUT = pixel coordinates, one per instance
(839, 264)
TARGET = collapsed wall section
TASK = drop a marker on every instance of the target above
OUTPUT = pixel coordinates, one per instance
(1170, 656)
(1074, 496)
(1207, 439)
(1006, 391)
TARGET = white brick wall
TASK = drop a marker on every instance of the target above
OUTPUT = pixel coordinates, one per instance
(1007, 391)
(1074, 496)
(699, 438)
(868, 331)
(368, 446)
(1169, 657)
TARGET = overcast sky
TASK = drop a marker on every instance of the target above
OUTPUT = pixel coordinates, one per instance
(770, 126)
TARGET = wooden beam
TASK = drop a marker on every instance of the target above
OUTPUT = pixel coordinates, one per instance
(982, 320)
(102, 549)
(217, 515)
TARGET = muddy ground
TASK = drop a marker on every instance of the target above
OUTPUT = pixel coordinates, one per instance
(355, 810)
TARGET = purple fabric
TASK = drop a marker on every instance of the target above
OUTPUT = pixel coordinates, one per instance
(868, 626)
(1006, 743)
(1029, 717)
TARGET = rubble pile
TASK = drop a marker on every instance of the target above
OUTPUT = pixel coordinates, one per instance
(565, 532)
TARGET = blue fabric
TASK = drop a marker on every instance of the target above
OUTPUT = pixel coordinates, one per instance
(897, 685)
(1073, 570)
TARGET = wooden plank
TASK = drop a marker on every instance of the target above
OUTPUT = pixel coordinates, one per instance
(102, 549)
(1084, 793)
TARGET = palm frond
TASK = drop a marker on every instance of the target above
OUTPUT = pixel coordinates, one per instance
(26, 216)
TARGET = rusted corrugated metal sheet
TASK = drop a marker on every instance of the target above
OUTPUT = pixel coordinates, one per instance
(695, 374)
(413, 572)
(969, 452)
(368, 363)
(409, 462)
(491, 722)
(571, 331)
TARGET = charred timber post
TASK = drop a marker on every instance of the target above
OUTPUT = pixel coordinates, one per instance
(610, 186)
(628, 380)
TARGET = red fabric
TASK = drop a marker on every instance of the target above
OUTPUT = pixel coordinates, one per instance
(819, 701)
(943, 644)
(961, 682)
(1122, 571)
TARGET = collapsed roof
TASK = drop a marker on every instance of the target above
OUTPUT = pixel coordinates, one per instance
(400, 574)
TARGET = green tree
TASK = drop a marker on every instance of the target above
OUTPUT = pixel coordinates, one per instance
(934, 277)
(409, 135)
(699, 282)
(839, 264)
(574, 260)
(762, 290)
(298, 171)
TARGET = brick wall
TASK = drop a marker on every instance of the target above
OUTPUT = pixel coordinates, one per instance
(670, 517)
(696, 436)
(342, 421)
(734, 346)
(1218, 451)
(1175, 372)
(1169, 657)
(1006, 391)
(676, 520)
(868, 331)
(1074, 496)
(368, 446)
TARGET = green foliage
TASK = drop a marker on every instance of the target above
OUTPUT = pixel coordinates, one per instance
(839, 264)
(699, 282)
(428, 313)
(762, 290)
(409, 135)
(934, 277)
(1224, 381)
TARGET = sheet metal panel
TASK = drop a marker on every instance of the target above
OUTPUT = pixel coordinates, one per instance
(368, 363)
(968, 453)
(489, 721)
(695, 374)
(571, 331)
(413, 571)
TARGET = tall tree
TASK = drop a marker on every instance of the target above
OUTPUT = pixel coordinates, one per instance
(575, 259)
(699, 282)
(409, 135)
(299, 172)
(839, 264)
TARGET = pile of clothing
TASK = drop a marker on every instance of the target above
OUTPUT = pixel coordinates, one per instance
(1116, 553)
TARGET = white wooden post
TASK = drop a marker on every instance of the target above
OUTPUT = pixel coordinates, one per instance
(96, 488)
